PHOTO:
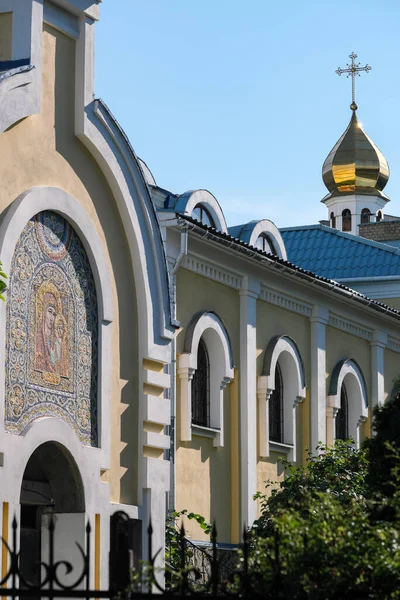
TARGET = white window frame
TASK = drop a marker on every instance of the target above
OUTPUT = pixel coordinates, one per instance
(282, 350)
(348, 372)
(209, 327)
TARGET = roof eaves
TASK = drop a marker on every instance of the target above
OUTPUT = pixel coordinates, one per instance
(286, 266)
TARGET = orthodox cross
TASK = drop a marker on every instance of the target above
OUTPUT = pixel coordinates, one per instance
(352, 71)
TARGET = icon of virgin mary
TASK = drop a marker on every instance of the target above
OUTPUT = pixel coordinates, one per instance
(51, 332)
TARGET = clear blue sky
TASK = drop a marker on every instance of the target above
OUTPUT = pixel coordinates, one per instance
(241, 97)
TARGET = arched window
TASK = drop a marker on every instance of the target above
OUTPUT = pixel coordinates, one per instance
(276, 408)
(265, 243)
(378, 216)
(203, 215)
(348, 395)
(201, 388)
(365, 215)
(281, 387)
(205, 369)
(346, 220)
(342, 417)
(333, 220)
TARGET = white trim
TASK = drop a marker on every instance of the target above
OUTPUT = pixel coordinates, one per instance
(393, 344)
(212, 271)
(285, 301)
(378, 345)
(187, 202)
(319, 320)
(350, 374)
(26, 206)
(60, 19)
(211, 329)
(349, 326)
(20, 92)
(286, 354)
(271, 231)
(248, 399)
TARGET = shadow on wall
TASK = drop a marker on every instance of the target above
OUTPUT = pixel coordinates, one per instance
(125, 359)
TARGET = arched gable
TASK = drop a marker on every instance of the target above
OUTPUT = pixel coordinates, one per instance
(186, 203)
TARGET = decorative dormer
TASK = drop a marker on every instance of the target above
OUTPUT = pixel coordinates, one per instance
(355, 173)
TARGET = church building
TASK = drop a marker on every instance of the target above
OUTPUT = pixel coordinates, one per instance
(152, 355)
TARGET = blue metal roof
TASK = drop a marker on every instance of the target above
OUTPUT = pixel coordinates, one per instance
(338, 255)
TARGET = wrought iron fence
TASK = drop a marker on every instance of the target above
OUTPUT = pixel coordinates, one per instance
(196, 572)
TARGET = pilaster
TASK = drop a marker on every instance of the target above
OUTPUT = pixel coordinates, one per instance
(248, 399)
(378, 345)
(319, 320)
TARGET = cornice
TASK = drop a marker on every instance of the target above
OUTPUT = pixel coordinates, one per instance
(349, 326)
(212, 271)
(393, 344)
(285, 301)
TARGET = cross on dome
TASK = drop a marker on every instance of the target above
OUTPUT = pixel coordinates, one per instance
(352, 71)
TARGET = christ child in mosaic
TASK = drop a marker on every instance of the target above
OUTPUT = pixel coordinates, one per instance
(61, 360)
(50, 339)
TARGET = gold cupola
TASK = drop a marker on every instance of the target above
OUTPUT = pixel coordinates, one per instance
(355, 166)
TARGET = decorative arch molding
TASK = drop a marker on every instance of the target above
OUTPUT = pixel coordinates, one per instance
(86, 460)
(189, 200)
(101, 133)
(209, 327)
(347, 372)
(21, 211)
(282, 349)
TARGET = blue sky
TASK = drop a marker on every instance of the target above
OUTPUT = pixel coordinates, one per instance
(241, 97)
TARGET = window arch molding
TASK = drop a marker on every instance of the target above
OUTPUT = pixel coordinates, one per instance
(211, 329)
(347, 372)
(24, 208)
(282, 350)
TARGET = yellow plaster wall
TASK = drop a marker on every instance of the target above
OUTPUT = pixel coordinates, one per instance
(196, 293)
(204, 479)
(392, 370)
(200, 467)
(272, 321)
(343, 345)
(6, 20)
(42, 150)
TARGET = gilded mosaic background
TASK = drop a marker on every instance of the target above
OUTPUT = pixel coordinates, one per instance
(52, 330)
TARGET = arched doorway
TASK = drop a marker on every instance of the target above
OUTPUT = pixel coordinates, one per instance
(51, 485)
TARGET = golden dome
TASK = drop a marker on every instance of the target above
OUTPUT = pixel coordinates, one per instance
(355, 165)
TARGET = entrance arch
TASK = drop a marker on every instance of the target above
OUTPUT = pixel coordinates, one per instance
(51, 485)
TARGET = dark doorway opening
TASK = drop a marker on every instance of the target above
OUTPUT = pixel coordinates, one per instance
(51, 485)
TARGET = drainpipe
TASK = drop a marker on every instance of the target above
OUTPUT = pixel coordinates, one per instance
(174, 270)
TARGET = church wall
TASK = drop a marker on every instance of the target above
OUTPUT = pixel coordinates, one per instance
(207, 477)
(340, 345)
(196, 293)
(204, 478)
(392, 371)
(43, 150)
(273, 321)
